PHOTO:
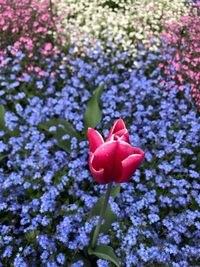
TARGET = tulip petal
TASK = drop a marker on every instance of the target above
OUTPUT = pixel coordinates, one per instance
(118, 125)
(97, 174)
(129, 166)
(125, 150)
(95, 139)
(105, 158)
(122, 135)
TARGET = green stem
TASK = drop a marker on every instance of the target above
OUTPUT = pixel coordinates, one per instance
(101, 215)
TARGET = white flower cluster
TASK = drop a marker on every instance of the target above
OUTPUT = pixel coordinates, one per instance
(127, 22)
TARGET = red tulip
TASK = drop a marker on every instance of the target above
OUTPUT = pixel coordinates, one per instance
(118, 132)
(114, 160)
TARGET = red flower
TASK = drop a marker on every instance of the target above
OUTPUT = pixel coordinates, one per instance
(114, 160)
(118, 132)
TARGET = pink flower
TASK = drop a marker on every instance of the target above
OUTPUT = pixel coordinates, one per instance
(114, 160)
(118, 132)
(48, 46)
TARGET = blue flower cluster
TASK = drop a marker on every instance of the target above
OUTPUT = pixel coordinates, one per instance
(47, 192)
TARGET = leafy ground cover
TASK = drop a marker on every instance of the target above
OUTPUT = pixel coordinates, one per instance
(49, 202)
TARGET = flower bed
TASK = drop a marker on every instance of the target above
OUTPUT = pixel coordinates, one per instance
(48, 197)
(130, 23)
(182, 64)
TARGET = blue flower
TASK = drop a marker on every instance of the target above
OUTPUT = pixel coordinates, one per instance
(48, 193)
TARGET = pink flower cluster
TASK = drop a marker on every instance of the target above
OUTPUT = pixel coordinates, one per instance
(182, 51)
(27, 25)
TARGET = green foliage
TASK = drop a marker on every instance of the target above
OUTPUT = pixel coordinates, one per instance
(105, 252)
(93, 114)
(2, 156)
(80, 257)
(31, 236)
(2, 115)
(62, 128)
(109, 216)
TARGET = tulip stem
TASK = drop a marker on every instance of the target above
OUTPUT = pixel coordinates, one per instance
(101, 215)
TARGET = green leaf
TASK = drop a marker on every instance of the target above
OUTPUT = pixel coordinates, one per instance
(10, 133)
(31, 236)
(105, 252)
(198, 159)
(62, 127)
(80, 257)
(109, 216)
(93, 114)
(2, 115)
(2, 156)
(59, 122)
(115, 191)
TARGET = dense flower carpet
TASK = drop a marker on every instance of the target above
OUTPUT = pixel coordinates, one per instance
(68, 65)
